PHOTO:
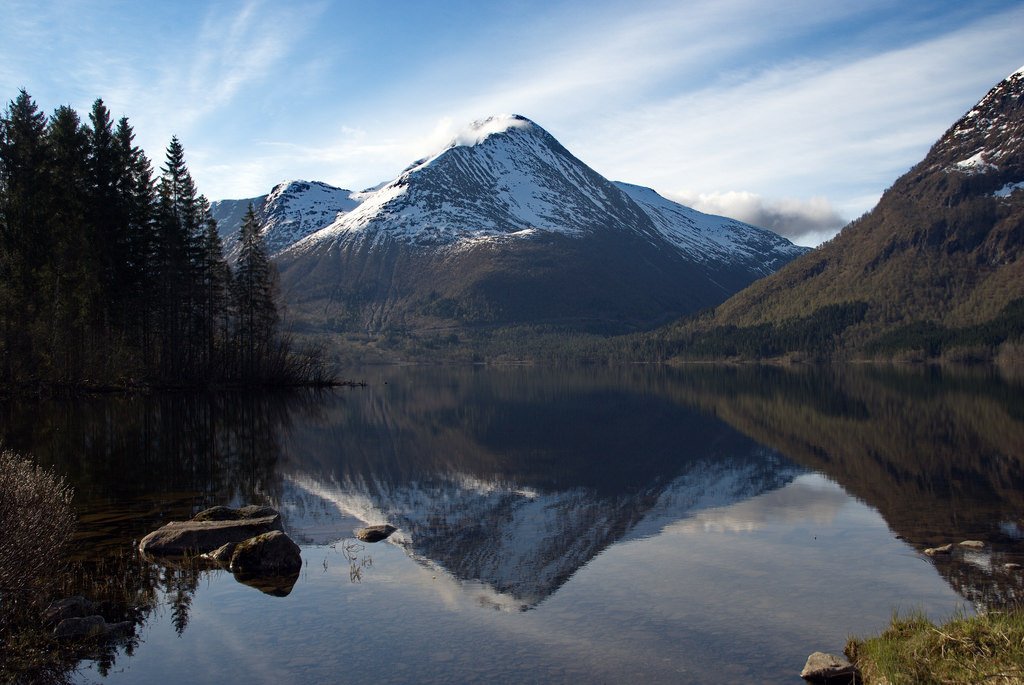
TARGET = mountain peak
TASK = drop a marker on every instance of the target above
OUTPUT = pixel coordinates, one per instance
(481, 129)
(988, 138)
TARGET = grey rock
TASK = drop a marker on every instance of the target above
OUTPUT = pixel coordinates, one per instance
(222, 555)
(935, 551)
(81, 627)
(375, 533)
(71, 607)
(179, 538)
(269, 553)
(828, 668)
(120, 629)
(220, 513)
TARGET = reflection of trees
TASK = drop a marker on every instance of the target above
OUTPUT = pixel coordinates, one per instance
(940, 455)
(136, 462)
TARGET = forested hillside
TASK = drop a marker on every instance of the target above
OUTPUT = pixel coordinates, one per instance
(110, 276)
(935, 270)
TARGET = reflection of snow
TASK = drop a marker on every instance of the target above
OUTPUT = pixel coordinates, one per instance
(511, 546)
(809, 498)
(1012, 529)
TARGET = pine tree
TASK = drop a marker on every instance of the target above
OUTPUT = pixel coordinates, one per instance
(24, 230)
(70, 285)
(175, 215)
(255, 286)
(135, 189)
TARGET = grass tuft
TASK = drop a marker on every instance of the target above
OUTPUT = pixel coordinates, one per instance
(988, 648)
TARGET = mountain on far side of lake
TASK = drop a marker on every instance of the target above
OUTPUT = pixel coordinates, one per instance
(505, 227)
(935, 269)
(289, 212)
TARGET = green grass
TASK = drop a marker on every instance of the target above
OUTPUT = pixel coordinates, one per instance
(988, 648)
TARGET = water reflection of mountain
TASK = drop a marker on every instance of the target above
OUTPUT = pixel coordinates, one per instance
(941, 456)
(516, 479)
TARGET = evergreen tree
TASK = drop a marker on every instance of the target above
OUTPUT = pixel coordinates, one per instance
(255, 286)
(23, 169)
(175, 211)
(70, 286)
(24, 229)
(107, 213)
(106, 276)
(136, 191)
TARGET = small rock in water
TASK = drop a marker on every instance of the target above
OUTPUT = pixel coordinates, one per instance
(269, 553)
(80, 627)
(825, 668)
(973, 544)
(944, 549)
(1012, 567)
(375, 533)
(221, 555)
(72, 607)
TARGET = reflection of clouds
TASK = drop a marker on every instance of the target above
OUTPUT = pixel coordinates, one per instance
(809, 498)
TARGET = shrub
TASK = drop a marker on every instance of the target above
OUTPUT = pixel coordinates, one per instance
(37, 521)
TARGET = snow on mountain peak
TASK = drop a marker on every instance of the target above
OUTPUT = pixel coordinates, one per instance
(480, 130)
(516, 186)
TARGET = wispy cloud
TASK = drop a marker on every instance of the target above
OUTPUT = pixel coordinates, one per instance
(737, 103)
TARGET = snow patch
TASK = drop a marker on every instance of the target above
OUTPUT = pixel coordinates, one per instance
(1009, 189)
(975, 164)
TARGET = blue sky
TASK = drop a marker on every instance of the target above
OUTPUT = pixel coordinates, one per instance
(792, 114)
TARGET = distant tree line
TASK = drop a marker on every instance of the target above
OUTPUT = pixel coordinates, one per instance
(111, 276)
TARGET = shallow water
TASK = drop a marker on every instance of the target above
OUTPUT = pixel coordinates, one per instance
(555, 525)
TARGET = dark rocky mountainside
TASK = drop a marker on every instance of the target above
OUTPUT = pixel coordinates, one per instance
(934, 269)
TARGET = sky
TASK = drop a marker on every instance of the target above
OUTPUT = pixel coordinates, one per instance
(794, 115)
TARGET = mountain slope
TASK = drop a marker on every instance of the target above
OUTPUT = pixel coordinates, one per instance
(290, 212)
(506, 227)
(935, 266)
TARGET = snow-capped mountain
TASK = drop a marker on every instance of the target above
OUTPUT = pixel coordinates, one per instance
(290, 212)
(505, 227)
(507, 178)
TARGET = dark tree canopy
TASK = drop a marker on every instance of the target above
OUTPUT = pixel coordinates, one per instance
(108, 277)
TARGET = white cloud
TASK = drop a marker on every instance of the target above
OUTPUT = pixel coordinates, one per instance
(805, 222)
(808, 499)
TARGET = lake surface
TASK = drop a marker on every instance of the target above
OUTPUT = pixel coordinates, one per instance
(640, 524)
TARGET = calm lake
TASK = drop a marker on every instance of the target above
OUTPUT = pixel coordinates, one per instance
(639, 524)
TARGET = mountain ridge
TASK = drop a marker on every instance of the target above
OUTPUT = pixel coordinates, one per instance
(934, 267)
(504, 226)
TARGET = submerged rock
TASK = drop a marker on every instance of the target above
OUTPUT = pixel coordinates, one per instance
(210, 532)
(828, 668)
(375, 533)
